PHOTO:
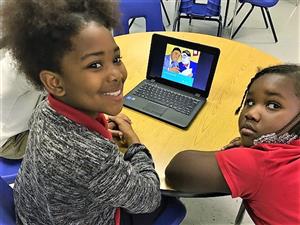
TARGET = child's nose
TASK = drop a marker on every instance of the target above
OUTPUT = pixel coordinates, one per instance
(253, 114)
(115, 74)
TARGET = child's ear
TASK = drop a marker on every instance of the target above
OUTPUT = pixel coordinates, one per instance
(53, 83)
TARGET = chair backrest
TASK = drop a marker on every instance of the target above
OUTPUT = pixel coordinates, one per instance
(173, 214)
(212, 8)
(186, 6)
(9, 169)
(7, 207)
(131, 9)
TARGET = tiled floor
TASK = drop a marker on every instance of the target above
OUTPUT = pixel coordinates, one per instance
(285, 15)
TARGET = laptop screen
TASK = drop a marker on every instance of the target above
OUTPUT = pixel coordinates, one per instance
(186, 65)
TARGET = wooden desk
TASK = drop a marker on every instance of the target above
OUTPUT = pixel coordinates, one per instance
(216, 124)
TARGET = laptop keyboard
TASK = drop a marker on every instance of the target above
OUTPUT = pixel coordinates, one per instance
(171, 99)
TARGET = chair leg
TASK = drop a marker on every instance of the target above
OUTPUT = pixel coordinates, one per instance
(244, 20)
(165, 11)
(178, 24)
(226, 12)
(240, 215)
(237, 12)
(220, 27)
(271, 24)
(175, 22)
(219, 34)
(132, 21)
(264, 16)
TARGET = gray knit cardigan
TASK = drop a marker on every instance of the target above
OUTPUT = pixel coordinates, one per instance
(72, 175)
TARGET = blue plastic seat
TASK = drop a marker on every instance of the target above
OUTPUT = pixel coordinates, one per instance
(173, 214)
(188, 9)
(263, 5)
(7, 207)
(131, 9)
(9, 169)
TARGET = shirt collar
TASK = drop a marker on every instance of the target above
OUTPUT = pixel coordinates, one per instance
(99, 124)
(296, 142)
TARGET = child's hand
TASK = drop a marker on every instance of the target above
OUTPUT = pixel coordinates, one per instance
(236, 142)
(120, 127)
(113, 127)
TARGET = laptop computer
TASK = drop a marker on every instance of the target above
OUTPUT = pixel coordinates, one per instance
(176, 86)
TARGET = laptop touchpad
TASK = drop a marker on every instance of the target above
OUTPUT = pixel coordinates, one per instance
(155, 108)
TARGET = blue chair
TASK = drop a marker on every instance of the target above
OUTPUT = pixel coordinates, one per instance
(263, 5)
(173, 214)
(188, 9)
(9, 169)
(7, 207)
(131, 9)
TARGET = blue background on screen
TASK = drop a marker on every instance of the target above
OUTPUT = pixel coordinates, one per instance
(176, 77)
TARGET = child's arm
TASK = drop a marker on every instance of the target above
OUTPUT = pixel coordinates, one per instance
(196, 171)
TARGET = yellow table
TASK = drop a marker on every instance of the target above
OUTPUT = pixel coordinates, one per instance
(215, 124)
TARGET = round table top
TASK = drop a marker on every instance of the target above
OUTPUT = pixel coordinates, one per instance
(215, 125)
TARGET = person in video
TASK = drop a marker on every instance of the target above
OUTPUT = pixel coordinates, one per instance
(171, 62)
(186, 66)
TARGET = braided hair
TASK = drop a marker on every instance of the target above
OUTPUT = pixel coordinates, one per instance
(292, 130)
(39, 32)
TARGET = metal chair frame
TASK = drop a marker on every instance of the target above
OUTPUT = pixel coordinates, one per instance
(191, 16)
(240, 215)
(264, 16)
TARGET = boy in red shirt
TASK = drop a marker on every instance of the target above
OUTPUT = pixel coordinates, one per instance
(262, 166)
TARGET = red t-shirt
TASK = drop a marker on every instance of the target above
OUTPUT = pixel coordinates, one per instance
(267, 177)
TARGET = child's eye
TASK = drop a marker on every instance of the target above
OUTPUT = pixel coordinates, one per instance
(273, 105)
(95, 65)
(249, 102)
(118, 59)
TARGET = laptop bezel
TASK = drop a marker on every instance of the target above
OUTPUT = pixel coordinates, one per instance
(159, 40)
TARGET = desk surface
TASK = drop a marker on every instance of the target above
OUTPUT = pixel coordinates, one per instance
(215, 125)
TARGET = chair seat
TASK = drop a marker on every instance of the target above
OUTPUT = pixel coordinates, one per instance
(263, 5)
(260, 3)
(9, 169)
(7, 208)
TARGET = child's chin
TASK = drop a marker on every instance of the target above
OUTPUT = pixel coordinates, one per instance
(114, 112)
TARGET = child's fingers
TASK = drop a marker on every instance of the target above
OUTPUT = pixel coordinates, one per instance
(120, 117)
(124, 117)
(237, 139)
(112, 125)
(116, 133)
(236, 142)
